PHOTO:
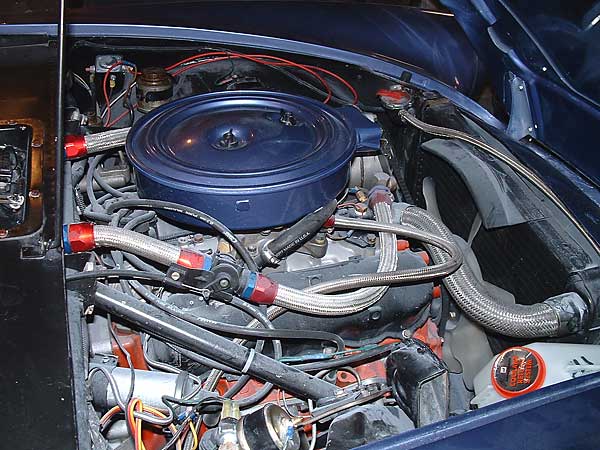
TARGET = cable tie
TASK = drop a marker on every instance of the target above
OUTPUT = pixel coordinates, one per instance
(248, 361)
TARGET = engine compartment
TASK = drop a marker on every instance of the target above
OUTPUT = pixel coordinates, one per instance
(270, 250)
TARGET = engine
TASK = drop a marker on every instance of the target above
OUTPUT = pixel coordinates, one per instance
(260, 269)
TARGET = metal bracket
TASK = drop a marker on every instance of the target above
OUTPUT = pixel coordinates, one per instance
(521, 120)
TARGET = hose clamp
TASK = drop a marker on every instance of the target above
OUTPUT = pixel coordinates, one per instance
(267, 255)
(572, 312)
(249, 361)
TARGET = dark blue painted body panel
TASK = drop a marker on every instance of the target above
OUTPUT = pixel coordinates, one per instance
(560, 417)
(430, 42)
(565, 120)
(389, 40)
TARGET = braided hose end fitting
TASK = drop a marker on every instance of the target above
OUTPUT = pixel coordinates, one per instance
(380, 194)
(259, 289)
(75, 146)
(572, 312)
(193, 260)
(78, 237)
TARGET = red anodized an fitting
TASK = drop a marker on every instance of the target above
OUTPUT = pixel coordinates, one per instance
(80, 237)
(265, 291)
(75, 146)
(329, 223)
(193, 260)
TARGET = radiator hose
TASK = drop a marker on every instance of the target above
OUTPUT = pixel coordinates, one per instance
(557, 316)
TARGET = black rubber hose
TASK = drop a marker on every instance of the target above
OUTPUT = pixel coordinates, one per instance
(242, 331)
(295, 236)
(203, 360)
(176, 331)
(253, 312)
(118, 273)
(237, 330)
(190, 212)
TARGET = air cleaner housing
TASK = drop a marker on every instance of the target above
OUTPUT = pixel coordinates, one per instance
(251, 159)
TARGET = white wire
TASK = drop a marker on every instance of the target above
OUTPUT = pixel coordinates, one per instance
(83, 83)
(313, 437)
(117, 98)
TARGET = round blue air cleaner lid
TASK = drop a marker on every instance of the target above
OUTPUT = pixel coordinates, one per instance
(245, 145)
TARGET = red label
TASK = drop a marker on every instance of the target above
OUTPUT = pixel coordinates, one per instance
(517, 371)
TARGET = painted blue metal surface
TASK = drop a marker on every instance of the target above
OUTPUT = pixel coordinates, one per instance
(251, 159)
(563, 119)
(559, 417)
(429, 41)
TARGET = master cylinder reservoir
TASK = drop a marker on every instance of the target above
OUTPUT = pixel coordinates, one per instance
(519, 370)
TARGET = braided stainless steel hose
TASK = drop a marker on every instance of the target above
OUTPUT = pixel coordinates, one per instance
(311, 302)
(89, 144)
(81, 237)
(557, 316)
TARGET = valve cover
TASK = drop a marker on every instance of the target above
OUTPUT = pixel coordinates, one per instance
(251, 159)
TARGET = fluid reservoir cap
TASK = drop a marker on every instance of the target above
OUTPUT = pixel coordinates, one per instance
(517, 371)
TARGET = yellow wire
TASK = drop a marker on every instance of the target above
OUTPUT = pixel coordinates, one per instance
(111, 412)
(138, 422)
(194, 434)
(158, 413)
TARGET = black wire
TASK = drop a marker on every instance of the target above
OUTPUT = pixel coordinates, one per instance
(241, 331)
(117, 273)
(376, 352)
(190, 212)
(174, 438)
(127, 357)
(127, 97)
(169, 401)
(200, 359)
(236, 330)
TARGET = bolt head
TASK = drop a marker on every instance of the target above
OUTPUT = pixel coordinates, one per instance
(3, 234)
(34, 193)
(319, 240)
(175, 276)
(224, 283)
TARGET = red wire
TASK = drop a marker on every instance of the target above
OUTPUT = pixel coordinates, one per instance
(120, 116)
(222, 56)
(106, 96)
(254, 58)
(260, 59)
(192, 58)
(341, 80)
